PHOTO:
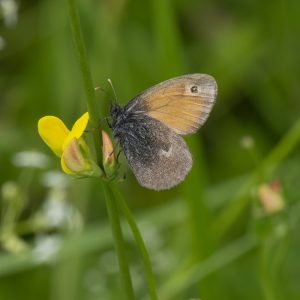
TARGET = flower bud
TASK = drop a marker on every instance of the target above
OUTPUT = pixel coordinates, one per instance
(109, 158)
(270, 197)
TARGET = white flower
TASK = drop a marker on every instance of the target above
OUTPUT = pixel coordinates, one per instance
(247, 142)
(30, 159)
(46, 248)
(9, 10)
(55, 179)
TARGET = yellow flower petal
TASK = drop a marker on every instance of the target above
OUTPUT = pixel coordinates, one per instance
(80, 125)
(54, 132)
(72, 157)
(78, 128)
(64, 166)
(73, 160)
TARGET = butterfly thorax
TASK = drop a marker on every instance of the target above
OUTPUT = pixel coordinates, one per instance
(136, 134)
(123, 121)
(119, 117)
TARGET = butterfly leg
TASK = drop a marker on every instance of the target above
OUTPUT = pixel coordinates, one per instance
(98, 125)
(118, 155)
(108, 122)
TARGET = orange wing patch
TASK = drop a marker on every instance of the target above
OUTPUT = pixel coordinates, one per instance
(182, 103)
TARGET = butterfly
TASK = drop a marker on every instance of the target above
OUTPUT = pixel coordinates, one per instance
(149, 128)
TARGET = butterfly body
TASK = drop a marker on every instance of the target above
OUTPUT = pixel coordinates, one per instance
(134, 133)
(150, 126)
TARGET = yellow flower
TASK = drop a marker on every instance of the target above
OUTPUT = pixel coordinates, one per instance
(69, 144)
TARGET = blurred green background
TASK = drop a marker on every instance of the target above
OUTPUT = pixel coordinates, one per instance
(231, 230)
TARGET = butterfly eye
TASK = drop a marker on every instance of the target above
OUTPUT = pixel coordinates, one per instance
(194, 89)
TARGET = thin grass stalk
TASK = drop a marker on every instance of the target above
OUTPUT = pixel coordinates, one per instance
(186, 279)
(86, 75)
(92, 109)
(140, 243)
(114, 217)
(231, 213)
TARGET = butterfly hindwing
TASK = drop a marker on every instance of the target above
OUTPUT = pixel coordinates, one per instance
(158, 156)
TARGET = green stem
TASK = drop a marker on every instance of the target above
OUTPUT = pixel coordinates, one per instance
(265, 278)
(186, 279)
(114, 218)
(86, 75)
(240, 201)
(140, 243)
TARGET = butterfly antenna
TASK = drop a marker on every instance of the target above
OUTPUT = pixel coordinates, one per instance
(99, 88)
(112, 87)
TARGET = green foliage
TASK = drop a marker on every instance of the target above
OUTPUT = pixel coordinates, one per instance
(209, 238)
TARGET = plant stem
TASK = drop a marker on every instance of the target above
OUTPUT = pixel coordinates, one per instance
(140, 243)
(92, 109)
(86, 75)
(114, 218)
(187, 278)
(240, 201)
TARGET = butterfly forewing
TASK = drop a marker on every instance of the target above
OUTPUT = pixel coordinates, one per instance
(182, 103)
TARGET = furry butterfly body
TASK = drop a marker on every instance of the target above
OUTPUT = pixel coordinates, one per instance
(150, 126)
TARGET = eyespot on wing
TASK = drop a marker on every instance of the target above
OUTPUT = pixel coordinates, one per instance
(182, 103)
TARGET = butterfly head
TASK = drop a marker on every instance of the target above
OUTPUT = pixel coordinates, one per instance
(116, 110)
(118, 114)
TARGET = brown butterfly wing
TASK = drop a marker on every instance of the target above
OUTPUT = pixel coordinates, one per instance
(182, 103)
(158, 156)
